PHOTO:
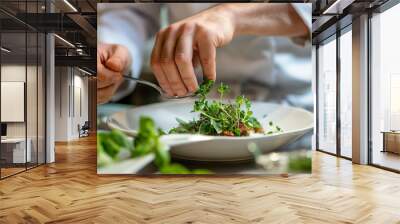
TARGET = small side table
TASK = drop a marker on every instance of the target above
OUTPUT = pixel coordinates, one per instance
(391, 141)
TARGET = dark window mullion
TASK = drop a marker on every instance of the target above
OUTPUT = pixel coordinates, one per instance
(37, 91)
(26, 87)
(338, 74)
(317, 96)
(369, 91)
(45, 88)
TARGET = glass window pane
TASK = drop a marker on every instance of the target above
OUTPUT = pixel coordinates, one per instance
(14, 153)
(327, 97)
(31, 97)
(346, 94)
(23, 87)
(32, 85)
(385, 84)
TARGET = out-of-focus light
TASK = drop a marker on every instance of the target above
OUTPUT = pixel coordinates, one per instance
(337, 7)
(70, 5)
(64, 40)
(5, 50)
(84, 71)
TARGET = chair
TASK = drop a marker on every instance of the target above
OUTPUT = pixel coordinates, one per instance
(84, 129)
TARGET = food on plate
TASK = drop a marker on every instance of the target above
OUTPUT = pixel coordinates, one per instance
(222, 118)
(114, 146)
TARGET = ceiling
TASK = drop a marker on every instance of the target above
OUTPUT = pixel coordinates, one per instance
(21, 21)
(331, 15)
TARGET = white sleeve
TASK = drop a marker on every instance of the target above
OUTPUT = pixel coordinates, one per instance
(129, 25)
(304, 10)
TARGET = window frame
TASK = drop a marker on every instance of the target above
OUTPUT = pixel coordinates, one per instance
(340, 31)
(333, 37)
(381, 9)
(30, 29)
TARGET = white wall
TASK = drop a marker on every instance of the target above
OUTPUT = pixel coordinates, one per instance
(12, 73)
(61, 104)
(70, 84)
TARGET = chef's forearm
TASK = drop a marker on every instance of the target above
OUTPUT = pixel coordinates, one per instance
(267, 19)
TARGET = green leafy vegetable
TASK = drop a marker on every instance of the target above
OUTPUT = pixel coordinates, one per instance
(300, 164)
(103, 158)
(146, 140)
(113, 143)
(219, 118)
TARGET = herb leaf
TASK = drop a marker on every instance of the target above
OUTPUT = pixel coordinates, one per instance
(218, 117)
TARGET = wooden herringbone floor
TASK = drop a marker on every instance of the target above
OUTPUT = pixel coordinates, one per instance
(69, 191)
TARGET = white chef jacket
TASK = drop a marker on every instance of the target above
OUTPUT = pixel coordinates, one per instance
(282, 64)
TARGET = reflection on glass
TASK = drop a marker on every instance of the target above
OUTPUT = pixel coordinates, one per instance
(22, 90)
(395, 101)
(346, 94)
(31, 97)
(327, 96)
(385, 85)
(15, 151)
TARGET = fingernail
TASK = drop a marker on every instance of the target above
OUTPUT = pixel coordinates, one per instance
(193, 89)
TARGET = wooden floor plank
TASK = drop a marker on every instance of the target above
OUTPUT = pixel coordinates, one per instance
(70, 191)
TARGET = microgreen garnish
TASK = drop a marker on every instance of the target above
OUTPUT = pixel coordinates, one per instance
(272, 128)
(218, 117)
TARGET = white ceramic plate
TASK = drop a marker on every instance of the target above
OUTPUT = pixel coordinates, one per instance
(295, 122)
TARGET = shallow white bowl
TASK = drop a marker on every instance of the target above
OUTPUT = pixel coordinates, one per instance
(295, 122)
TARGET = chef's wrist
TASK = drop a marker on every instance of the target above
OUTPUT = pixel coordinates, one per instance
(229, 12)
(236, 13)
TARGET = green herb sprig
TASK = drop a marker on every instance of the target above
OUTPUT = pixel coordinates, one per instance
(218, 117)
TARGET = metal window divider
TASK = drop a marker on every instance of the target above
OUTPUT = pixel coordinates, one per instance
(338, 99)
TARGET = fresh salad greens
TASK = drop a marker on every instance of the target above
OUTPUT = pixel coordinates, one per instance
(112, 146)
(115, 146)
(300, 164)
(219, 118)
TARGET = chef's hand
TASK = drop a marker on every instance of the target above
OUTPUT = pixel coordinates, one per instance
(112, 62)
(183, 44)
(196, 38)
